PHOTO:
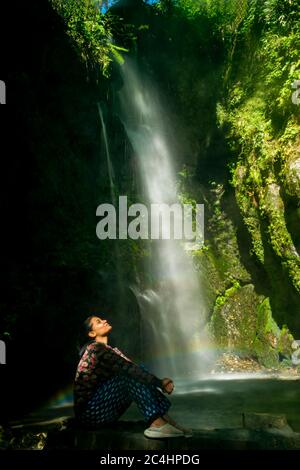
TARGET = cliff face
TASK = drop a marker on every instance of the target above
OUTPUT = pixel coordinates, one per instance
(55, 272)
(230, 84)
(259, 114)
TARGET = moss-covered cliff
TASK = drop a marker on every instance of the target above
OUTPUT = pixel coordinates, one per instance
(261, 121)
(230, 84)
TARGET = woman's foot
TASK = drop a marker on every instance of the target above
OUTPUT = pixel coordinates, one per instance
(166, 427)
(187, 432)
(162, 432)
(158, 422)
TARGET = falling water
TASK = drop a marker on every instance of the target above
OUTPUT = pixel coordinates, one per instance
(108, 159)
(119, 269)
(175, 342)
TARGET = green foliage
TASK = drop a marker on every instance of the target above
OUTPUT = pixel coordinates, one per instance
(234, 328)
(280, 57)
(282, 16)
(265, 322)
(221, 299)
(266, 355)
(252, 329)
(91, 31)
(225, 15)
(262, 126)
(285, 341)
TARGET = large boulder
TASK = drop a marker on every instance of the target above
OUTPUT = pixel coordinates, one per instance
(242, 323)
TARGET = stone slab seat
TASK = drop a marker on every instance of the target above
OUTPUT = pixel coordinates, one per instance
(128, 435)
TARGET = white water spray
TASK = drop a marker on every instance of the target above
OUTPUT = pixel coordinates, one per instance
(175, 342)
(108, 159)
(110, 170)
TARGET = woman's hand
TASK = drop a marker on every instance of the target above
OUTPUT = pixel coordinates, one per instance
(167, 385)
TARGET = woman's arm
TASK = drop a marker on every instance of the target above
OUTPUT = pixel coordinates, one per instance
(109, 359)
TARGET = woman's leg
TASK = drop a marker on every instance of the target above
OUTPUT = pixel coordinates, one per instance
(150, 401)
(114, 397)
(108, 403)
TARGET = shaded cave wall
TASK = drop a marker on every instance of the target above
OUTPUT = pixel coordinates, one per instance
(55, 272)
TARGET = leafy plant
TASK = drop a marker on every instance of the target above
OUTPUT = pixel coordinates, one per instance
(91, 31)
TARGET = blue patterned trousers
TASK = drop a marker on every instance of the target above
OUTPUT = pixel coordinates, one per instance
(114, 396)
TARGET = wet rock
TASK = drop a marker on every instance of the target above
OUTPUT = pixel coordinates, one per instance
(285, 342)
(265, 353)
(234, 320)
(232, 363)
(34, 435)
(242, 324)
(28, 441)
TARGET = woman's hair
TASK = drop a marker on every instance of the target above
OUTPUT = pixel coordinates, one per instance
(83, 337)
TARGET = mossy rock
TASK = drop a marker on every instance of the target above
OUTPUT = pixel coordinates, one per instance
(234, 320)
(266, 325)
(242, 322)
(291, 174)
(271, 340)
(210, 277)
(223, 241)
(285, 342)
(265, 353)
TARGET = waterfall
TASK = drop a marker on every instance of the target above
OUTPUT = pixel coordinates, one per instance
(110, 170)
(175, 342)
(108, 159)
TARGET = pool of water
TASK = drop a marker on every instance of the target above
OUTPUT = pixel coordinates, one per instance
(220, 402)
(211, 403)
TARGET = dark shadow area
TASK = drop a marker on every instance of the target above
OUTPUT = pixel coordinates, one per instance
(55, 272)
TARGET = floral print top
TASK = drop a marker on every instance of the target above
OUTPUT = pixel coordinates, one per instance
(100, 362)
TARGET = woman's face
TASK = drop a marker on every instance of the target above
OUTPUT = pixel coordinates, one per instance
(99, 327)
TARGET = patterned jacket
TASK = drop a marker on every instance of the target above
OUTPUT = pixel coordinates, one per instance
(100, 362)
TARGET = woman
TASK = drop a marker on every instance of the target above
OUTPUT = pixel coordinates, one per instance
(107, 382)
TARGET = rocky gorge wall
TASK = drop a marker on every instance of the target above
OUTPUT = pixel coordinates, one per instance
(229, 85)
(258, 314)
